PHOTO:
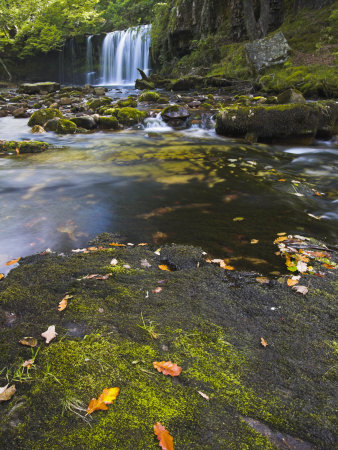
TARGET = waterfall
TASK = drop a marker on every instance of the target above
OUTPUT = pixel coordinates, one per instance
(89, 61)
(123, 52)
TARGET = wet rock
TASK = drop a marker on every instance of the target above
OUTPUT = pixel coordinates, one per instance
(51, 124)
(39, 88)
(129, 102)
(149, 97)
(279, 121)
(182, 256)
(291, 96)
(3, 112)
(144, 85)
(20, 113)
(98, 103)
(108, 123)
(65, 101)
(174, 112)
(100, 91)
(130, 116)
(23, 147)
(65, 126)
(38, 129)
(87, 122)
(267, 52)
(43, 115)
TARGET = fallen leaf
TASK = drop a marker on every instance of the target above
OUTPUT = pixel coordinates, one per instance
(164, 267)
(329, 266)
(12, 261)
(145, 263)
(168, 368)
(157, 290)
(6, 393)
(117, 244)
(281, 234)
(280, 239)
(301, 267)
(158, 252)
(166, 440)
(49, 334)
(92, 249)
(301, 289)
(281, 179)
(254, 241)
(29, 341)
(28, 363)
(142, 244)
(106, 398)
(263, 342)
(63, 304)
(2, 276)
(263, 280)
(163, 281)
(204, 395)
(314, 217)
(113, 262)
(238, 219)
(291, 282)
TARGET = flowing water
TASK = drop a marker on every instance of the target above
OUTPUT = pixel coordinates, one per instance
(89, 61)
(158, 185)
(123, 52)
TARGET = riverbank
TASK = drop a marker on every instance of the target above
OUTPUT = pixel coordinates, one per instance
(129, 306)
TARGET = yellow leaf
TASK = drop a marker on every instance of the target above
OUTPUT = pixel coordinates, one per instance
(13, 261)
(280, 239)
(238, 219)
(63, 304)
(106, 398)
(2, 276)
(281, 234)
(164, 267)
(29, 341)
(291, 282)
(116, 244)
(254, 241)
(263, 342)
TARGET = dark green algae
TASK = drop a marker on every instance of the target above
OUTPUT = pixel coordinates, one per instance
(209, 322)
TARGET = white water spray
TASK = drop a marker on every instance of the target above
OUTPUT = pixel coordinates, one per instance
(123, 52)
(89, 61)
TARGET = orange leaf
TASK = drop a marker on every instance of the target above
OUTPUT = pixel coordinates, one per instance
(280, 239)
(142, 244)
(106, 398)
(263, 342)
(2, 276)
(166, 440)
(291, 282)
(12, 261)
(282, 180)
(63, 304)
(168, 368)
(329, 266)
(164, 267)
(116, 244)
(92, 249)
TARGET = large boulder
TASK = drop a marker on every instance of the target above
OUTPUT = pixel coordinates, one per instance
(38, 88)
(279, 121)
(43, 115)
(130, 116)
(267, 52)
(108, 123)
(65, 126)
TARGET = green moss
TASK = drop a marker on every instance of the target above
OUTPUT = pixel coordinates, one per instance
(233, 63)
(130, 116)
(108, 111)
(170, 108)
(97, 103)
(129, 102)
(162, 100)
(43, 115)
(23, 147)
(108, 123)
(65, 127)
(149, 96)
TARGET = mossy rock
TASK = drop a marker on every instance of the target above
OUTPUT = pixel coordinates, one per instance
(149, 96)
(144, 85)
(108, 123)
(38, 129)
(104, 341)
(162, 100)
(174, 112)
(86, 122)
(43, 115)
(37, 88)
(97, 103)
(279, 121)
(291, 96)
(129, 102)
(130, 116)
(108, 111)
(65, 126)
(21, 147)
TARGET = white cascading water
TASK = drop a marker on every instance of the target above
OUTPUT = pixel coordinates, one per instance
(89, 61)
(123, 52)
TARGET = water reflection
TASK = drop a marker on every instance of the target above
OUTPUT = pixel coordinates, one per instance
(185, 186)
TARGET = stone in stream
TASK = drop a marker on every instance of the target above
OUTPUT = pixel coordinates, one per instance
(43, 115)
(87, 122)
(38, 88)
(21, 147)
(291, 96)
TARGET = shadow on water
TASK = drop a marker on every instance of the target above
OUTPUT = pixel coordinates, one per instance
(158, 186)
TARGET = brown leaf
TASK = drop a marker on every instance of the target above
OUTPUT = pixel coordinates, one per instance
(263, 280)
(13, 261)
(106, 398)
(166, 440)
(29, 341)
(6, 393)
(164, 267)
(263, 342)
(329, 266)
(49, 334)
(168, 368)
(157, 290)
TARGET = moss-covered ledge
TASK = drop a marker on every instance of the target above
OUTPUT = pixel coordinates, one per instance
(21, 147)
(206, 319)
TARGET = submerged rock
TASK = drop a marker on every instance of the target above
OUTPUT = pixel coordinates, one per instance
(279, 121)
(267, 52)
(20, 147)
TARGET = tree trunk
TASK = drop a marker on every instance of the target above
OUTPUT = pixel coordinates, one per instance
(256, 28)
(6, 70)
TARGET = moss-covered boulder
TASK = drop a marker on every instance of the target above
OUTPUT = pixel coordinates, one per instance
(108, 123)
(232, 392)
(144, 85)
(129, 102)
(21, 147)
(175, 112)
(43, 115)
(95, 104)
(38, 88)
(65, 126)
(149, 97)
(279, 121)
(130, 116)
(51, 124)
(291, 96)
